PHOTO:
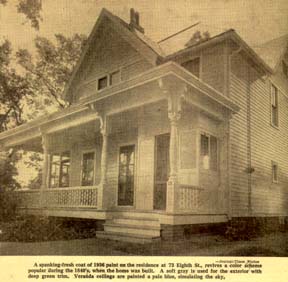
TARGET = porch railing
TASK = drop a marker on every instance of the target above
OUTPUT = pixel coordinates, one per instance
(81, 197)
(198, 199)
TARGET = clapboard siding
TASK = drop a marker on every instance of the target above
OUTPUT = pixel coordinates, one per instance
(267, 144)
(111, 53)
(212, 66)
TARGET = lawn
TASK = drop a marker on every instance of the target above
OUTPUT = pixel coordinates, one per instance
(274, 244)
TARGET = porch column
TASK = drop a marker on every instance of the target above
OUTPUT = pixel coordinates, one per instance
(174, 115)
(45, 168)
(102, 187)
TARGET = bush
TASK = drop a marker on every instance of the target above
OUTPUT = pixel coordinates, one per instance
(8, 205)
(37, 229)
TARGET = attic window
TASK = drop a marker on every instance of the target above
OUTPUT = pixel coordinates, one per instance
(193, 66)
(102, 82)
(114, 77)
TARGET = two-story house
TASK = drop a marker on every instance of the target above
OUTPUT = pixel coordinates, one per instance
(161, 137)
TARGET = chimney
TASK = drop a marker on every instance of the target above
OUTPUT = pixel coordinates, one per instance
(135, 20)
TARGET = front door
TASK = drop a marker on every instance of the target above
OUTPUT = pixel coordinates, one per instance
(126, 176)
(161, 170)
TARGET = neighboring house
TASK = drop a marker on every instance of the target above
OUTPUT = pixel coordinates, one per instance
(161, 137)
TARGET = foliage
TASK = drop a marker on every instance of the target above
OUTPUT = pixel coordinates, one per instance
(31, 9)
(51, 68)
(8, 205)
(197, 37)
(35, 229)
(13, 89)
(239, 230)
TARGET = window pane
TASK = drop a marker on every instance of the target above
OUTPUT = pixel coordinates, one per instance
(274, 172)
(88, 169)
(213, 154)
(204, 145)
(193, 66)
(115, 77)
(65, 169)
(102, 82)
(274, 105)
(55, 169)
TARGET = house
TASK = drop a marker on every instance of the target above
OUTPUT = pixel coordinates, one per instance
(161, 137)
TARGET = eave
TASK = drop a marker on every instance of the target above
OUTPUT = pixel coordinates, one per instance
(81, 112)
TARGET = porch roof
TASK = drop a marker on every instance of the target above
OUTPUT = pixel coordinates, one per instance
(81, 113)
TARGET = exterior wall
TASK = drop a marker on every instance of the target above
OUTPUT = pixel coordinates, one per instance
(258, 146)
(211, 65)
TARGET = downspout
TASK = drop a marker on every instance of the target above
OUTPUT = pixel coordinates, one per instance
(249, 158)
(227, 92)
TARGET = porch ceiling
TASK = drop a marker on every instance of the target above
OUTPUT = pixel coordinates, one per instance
(81, 113)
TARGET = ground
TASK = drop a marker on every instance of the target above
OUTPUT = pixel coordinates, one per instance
(274, 244)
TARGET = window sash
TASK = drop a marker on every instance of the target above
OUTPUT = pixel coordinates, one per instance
(60, 170)
(88, 169)
(209, 152)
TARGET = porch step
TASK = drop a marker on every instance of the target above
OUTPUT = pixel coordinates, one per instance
(136, 220)
(131, 229)
(131, 238)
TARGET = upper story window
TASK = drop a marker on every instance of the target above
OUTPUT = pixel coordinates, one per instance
(88, 169)
(274, 106)
(109, 79)
(209, 152)
(60, 170)
(102, 82)
(193, 66)
(274, 172)
(285, 68)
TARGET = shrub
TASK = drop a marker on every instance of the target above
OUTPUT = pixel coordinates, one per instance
(8, 205)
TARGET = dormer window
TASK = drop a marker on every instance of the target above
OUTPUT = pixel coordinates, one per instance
(193, 66)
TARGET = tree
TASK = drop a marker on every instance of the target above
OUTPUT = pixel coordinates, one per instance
(27, 94)
(50, 70)
(197, 37)
(31, 9)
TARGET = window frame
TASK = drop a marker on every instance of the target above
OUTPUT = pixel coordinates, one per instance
(274, 107)
(108, 77)
(60, 172)
(201, 166)
(83, 152)
(192, 58)
(275, 165)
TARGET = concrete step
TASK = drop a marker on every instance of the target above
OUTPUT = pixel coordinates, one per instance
(125, 237)
(138, 229)
(137, 221)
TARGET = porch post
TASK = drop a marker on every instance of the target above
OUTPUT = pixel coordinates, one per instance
(102, 187)
(174, 114)
(45, 168)
(45, 171)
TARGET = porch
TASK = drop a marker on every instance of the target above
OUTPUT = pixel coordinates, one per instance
(134, 152)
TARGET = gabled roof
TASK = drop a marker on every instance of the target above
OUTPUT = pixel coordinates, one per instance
(142, 43)
(166, 50)
(273, 51)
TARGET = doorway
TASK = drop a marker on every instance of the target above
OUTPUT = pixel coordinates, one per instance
(162, 169)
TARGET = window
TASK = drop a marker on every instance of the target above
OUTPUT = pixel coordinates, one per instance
(209, 152)
(114, 78)
(88, 168)
(274, 106)
(274, 172)
(60, 170)
(109, 79)
(102, 82)
(285, 69)
(193, 66)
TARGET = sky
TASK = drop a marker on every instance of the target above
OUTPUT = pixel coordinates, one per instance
(256, 21)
